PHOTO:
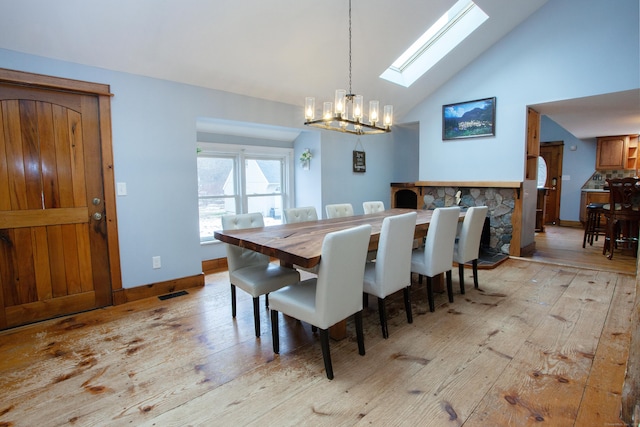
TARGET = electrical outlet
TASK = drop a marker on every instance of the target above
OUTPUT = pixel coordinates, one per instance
(156, 262)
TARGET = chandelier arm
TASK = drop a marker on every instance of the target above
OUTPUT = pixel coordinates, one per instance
(348, 126)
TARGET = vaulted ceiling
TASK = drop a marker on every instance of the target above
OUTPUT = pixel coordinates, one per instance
(280, 50)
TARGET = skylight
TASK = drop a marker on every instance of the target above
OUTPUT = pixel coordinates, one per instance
(448, 31)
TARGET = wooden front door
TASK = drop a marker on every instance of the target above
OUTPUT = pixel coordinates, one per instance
(54, 255)
(552, 154)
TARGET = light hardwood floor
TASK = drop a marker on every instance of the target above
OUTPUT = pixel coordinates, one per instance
(563, 245)
(538, 343)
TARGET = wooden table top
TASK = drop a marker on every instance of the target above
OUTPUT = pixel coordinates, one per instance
(301, 243)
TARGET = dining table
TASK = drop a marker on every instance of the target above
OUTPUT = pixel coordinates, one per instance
(301, 243)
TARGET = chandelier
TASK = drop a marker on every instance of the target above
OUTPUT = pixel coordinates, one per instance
(335, 116)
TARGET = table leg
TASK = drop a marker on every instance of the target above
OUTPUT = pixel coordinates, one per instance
(339, 330)
(438, 283)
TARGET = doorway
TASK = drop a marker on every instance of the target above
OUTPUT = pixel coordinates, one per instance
(58, 232)
(552, 153)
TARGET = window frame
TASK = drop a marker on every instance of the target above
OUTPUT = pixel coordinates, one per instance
(240, 155)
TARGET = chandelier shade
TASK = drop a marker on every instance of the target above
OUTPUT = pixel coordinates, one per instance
(335, 116)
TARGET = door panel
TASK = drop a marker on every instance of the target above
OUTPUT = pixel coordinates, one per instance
(552, 154)
(53, 254)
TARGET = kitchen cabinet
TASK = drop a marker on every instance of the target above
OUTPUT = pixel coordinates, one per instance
(586, 197)
(617, 152)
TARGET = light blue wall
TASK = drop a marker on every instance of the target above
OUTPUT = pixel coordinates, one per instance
(154, 127)
(154, 140)
(341, 185)
(308, 183)
(578, 165)
(406, 142)
(567, 49)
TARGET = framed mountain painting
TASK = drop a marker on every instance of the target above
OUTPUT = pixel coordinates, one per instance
(469, 119)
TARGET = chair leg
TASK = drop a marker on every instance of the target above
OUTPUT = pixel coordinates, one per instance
(612, 236)
(587, 231)
(597, 229)
(275, 335)
(326, 354)
(359, 332)
(266, 300)
(407, 303)
(365, 300)
(432, 305)
(233, 300)
(256, 315)
(475, 273)
(449, 286)
(382, 312)
(461, 276)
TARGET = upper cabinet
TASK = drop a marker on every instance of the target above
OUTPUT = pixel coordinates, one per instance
(617, 152)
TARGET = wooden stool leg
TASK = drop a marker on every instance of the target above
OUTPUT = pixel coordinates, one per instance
(587, 228)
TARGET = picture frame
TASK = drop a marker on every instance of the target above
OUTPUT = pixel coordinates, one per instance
(469, 119)
(359, 161)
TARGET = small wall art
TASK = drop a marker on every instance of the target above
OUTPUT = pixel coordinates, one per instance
(359, 158)
(359, 161)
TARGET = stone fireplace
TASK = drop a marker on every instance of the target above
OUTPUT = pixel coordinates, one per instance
(500, 200)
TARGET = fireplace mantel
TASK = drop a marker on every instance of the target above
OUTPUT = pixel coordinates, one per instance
(488, 184)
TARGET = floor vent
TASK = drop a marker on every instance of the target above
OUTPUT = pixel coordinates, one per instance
(172, 295)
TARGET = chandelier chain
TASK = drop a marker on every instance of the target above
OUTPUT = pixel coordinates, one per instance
(350, 90)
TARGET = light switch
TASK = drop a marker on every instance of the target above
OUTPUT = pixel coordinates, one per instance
(122, 188)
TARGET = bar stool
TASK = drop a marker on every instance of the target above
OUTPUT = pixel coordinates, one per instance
(594, 227)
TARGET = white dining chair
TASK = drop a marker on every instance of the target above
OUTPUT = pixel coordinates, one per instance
(372, 207)
(252, 271)
(331, 297)
(339, 210)
(467, 247)
(436, 257)
(392, 270)
(303, 214)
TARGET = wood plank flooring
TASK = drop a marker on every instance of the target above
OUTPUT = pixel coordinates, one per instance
(538, 343)
(563, 245)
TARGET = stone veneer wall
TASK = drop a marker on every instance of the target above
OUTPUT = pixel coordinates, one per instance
(501, 203)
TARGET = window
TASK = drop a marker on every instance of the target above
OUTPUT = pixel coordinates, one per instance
(449, 31)
(241, 179)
